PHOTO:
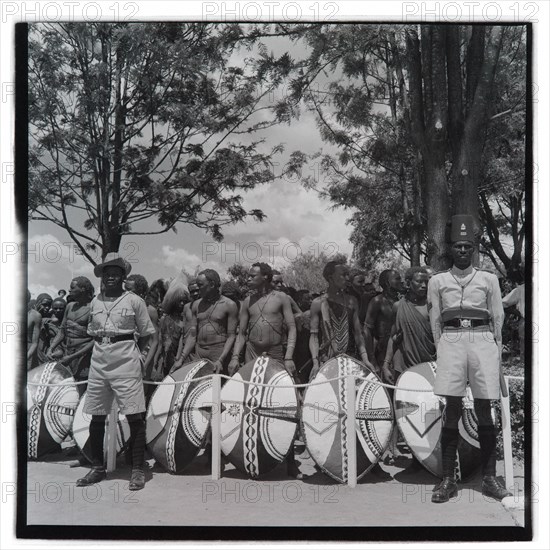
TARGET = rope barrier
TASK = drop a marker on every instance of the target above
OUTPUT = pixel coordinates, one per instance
(286, 386)
(260, 384)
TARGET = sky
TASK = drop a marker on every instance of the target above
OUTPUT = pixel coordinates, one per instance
(297, 221)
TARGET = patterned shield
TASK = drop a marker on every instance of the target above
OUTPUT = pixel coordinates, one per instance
(81, 430)
(178, 416)
(324, 417)
(418, 416)
(50, 409)
(258, 423)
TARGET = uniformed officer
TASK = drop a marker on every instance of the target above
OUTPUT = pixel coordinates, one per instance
(466, 316)
(116, 318)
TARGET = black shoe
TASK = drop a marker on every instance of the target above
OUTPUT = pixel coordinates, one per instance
(137, 480)
(446, 490)
(490, 487)
(95, 475)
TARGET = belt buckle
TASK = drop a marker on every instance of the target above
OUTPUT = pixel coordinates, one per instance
(105, 340)
(465, 323)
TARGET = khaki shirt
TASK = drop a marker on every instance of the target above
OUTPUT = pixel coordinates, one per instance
(470, 290)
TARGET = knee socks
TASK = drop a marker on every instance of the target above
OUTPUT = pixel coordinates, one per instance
(488, 444)
(97, 434)
(137, 443)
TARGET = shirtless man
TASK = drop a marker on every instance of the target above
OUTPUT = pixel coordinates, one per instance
(335, 316)
(212, 330)
(195, 294)
(34, 322)
(379, 318)
(262, 321)
(73, 333)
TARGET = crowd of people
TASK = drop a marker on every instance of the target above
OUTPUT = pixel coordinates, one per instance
(134, 331)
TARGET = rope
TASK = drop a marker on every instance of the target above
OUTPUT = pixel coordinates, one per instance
(286, 386)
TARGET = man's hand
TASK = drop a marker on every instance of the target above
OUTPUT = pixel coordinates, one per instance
(233, 366)
(387, 374)
(290, 367)
(177, 364)
(218, 367)
(365, 359)
(314, 369)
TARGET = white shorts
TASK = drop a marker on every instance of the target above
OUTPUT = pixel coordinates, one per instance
(128, 392)
(468, 356)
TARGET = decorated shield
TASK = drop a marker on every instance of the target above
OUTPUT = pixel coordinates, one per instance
(178, 416)
(81, 430)
(324, 418)
(258, 423)
(50, 409)
(418, 416)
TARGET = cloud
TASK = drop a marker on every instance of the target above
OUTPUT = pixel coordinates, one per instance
(180, 258)
(53, 263)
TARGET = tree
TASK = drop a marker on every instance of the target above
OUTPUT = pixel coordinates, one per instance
(133, 124)
(306, 271)
(409, 109)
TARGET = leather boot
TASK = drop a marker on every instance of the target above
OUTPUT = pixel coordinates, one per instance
(95, 475)
(491, 487)
(446, 490)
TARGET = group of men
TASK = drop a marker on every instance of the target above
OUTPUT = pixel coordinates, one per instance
(454, 317)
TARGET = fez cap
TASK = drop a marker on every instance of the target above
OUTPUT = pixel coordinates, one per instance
(462, 228)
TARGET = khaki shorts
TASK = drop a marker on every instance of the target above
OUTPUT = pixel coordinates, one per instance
(468, 356)
(128, 392)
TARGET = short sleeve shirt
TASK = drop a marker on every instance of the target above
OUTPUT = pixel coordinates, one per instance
(125, 315)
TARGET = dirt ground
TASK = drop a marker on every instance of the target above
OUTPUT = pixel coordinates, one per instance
(194, 499)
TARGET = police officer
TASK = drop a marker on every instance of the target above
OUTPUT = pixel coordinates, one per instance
(466, 316)
(117, 317)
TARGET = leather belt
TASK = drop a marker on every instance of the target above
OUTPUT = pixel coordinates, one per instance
(466, 323)
(113, 339)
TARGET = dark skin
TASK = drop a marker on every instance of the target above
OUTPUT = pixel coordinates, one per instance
(262, 310)
(417, 294)
(379, 319)
(78, 311)
(358, 284)
(278, 284)
(222, 311)
(112, 279)
(34, 321)
(336, 285)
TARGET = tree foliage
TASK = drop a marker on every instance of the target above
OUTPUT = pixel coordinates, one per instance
(419, 114)
(306, 271)
(135, 123)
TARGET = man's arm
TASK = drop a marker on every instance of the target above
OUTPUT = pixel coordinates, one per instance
(495, 307)
(60, 336)
(36, 321)
(232, 320)
(295, 308)
(434, 309)
(291, 328)
(188, 339)
(314, 335)
(359, 340)
(370, 324)
(387, 372)
(244, 317)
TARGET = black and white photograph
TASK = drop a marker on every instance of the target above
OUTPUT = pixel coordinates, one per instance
(280, 267)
